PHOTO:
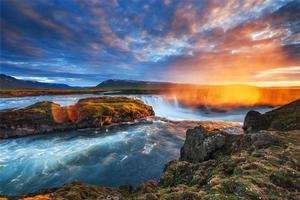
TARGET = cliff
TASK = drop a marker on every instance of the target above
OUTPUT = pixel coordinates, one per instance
(45, 116)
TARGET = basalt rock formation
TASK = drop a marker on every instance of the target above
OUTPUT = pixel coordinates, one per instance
(47, 116)
(283, 118)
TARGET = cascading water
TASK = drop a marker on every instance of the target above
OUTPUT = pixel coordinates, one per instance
(169, 108)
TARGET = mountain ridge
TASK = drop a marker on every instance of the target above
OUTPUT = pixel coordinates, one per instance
(132, 84)
(9, 82)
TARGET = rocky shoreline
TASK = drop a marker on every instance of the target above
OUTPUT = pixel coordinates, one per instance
(216, 164)
(45, 117)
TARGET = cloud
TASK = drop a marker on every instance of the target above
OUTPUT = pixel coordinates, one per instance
(279, 74)
(236, 54)
(196, 41)
(47, 79)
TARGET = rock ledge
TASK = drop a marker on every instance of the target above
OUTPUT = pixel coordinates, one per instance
(43, 117)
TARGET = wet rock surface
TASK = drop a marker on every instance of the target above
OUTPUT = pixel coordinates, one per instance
(43, 117)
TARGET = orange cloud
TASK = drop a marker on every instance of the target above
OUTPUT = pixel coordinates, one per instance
(237, 55)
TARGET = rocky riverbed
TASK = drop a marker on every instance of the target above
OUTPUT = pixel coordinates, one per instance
(215, 164)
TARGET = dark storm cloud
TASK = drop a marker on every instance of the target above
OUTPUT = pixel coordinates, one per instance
(158, 40)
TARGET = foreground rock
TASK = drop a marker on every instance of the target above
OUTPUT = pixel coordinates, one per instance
(252, 168)
(47, 116)
(200, 144)
(284, 118)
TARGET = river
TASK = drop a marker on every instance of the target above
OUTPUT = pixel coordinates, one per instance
(113, 156)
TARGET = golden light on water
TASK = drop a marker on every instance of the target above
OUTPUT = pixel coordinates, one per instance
(230, 96)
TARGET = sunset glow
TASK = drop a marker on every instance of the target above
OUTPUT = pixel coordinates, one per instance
(205, 42)
(232, 96)
(149, 99)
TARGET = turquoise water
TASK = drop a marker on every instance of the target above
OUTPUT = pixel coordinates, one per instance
(130, 154)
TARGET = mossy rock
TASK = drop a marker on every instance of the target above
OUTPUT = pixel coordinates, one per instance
(43, 117)
(284, 118)
(248, 171)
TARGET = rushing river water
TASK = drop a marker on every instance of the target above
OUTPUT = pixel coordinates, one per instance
(127, 154)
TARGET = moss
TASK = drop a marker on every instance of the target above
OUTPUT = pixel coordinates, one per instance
(289, 180)
(177, 173)
(179, 193)
(97, 107)
(270, 172)
(229, 167)
(239, 188)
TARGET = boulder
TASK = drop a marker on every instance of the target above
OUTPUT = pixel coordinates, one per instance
(200, 144)
(263, 139)
(254, 121)
(284, 118)
(204, 144)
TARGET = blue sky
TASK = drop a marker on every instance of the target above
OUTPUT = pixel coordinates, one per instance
(82, 43)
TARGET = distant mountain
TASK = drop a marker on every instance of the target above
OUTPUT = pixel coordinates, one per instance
(132, 84)
(8, 82)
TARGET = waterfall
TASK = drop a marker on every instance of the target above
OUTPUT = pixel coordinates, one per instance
(168, 108)
(171, 109)
(164, 107)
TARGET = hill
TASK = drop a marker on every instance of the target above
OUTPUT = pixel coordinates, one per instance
(132, 84)
(9, 83)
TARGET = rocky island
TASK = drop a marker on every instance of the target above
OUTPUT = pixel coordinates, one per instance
(43, 117)
(215, 164)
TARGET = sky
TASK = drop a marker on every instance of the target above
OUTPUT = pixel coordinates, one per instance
(83, 42)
